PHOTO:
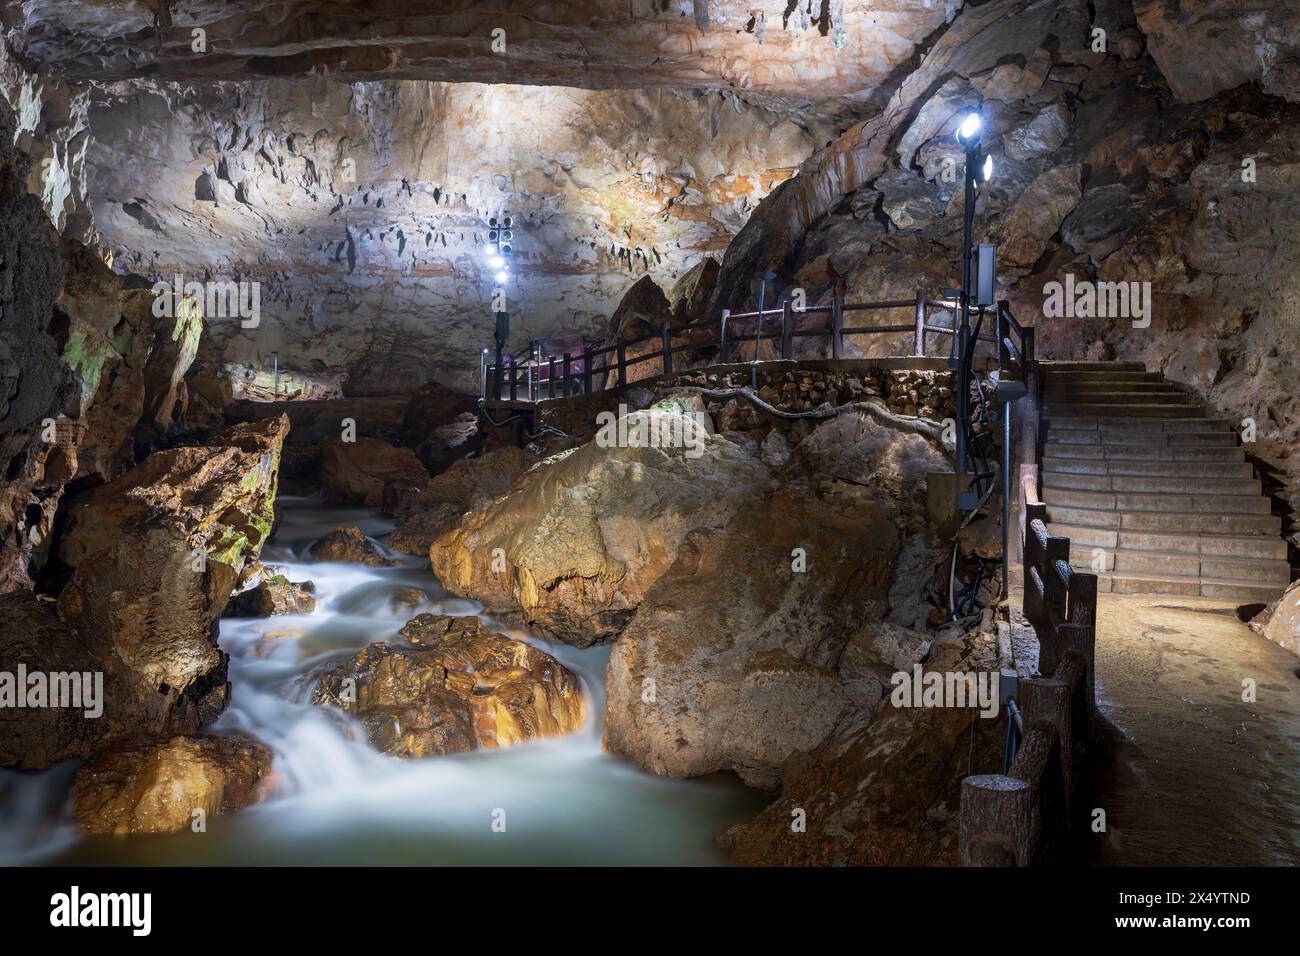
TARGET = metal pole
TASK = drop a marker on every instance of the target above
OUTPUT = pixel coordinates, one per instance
(963, 371)
(1006, 499)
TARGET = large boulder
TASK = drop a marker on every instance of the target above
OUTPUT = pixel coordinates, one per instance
(731, 662)
(888, 794)
(441, 425)
(769, 633)
(151, 558)
(273, 594)
(688, 299)
(443, 500)
(1280, 621)
(354, 472)
(348, 546)
(171, 785)
(579, 542)
(641, 312)
(453, 686)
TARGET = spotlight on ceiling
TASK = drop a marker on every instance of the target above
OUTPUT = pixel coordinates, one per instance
(496, 262)
(502, 276)
(969, 129)
(988, 168)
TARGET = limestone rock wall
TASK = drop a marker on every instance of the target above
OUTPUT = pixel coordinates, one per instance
(362, 209)
(1141, 163)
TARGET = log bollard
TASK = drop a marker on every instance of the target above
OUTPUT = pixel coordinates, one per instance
(996, 809)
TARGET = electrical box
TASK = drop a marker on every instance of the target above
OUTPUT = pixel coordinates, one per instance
(986, 274)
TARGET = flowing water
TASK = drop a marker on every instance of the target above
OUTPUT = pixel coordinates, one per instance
(338, 801)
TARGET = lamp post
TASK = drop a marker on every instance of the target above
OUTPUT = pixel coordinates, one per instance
(968, 134)
(497, 251)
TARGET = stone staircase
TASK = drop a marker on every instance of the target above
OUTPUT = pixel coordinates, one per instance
(1155, 497)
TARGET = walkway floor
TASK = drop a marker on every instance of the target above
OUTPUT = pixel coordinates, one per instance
(1195, 776)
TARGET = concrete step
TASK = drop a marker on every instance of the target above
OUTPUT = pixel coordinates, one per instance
(1213, 545)
(1105, 436)
(1100, 375)
(1153, 484)
(1117, 466)
(1050, 368)
(1127, 561)
(1144, 425)
(1090, 386)
(1168, 522)
(1133, 501)
(1242, 591)
(1112, 396)
(1134, 410)
(1145, 452)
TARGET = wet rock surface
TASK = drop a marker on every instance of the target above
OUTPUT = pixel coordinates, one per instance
(274, 594)
(575, 547)
(183, 523)
(348, 545)
(171, 785)
(449, 686)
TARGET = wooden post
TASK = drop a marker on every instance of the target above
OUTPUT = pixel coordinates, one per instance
(568, 374)
(995, 809)
(920, 323)
(1046, 700)
(622, 363)
(514, 382)
(1033, 550)
(837, 324)
(722, 337)
(550, 376)
(787, 328)
(1038, 765)
(666, 336)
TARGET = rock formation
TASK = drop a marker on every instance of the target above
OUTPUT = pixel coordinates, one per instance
(354, 472)
(765, 635)
(181, 524)
(576, 547)
(361, 210)
(1280, 621)
(273, 594)
(170, 786)
(348, 545)
(440, 503)
(453, 686)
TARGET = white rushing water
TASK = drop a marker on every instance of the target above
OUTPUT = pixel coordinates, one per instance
(338, 801)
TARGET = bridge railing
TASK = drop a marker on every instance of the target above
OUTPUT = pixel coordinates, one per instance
(1030, 814)
(542, 377)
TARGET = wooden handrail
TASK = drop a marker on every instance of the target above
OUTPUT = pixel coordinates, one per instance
(723, 332)
(1031, 813)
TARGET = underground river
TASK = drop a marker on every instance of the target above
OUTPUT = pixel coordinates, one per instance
(338, 801)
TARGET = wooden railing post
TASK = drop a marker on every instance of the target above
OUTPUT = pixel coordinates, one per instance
(722, 337)
(587, 360)
(996, 810)
(920, 323)
(550, 376)
(1047, 700)
(787, 330)
(622, 363)
(568, 374)
(837, 324)
(666, 336)
(514, 381)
